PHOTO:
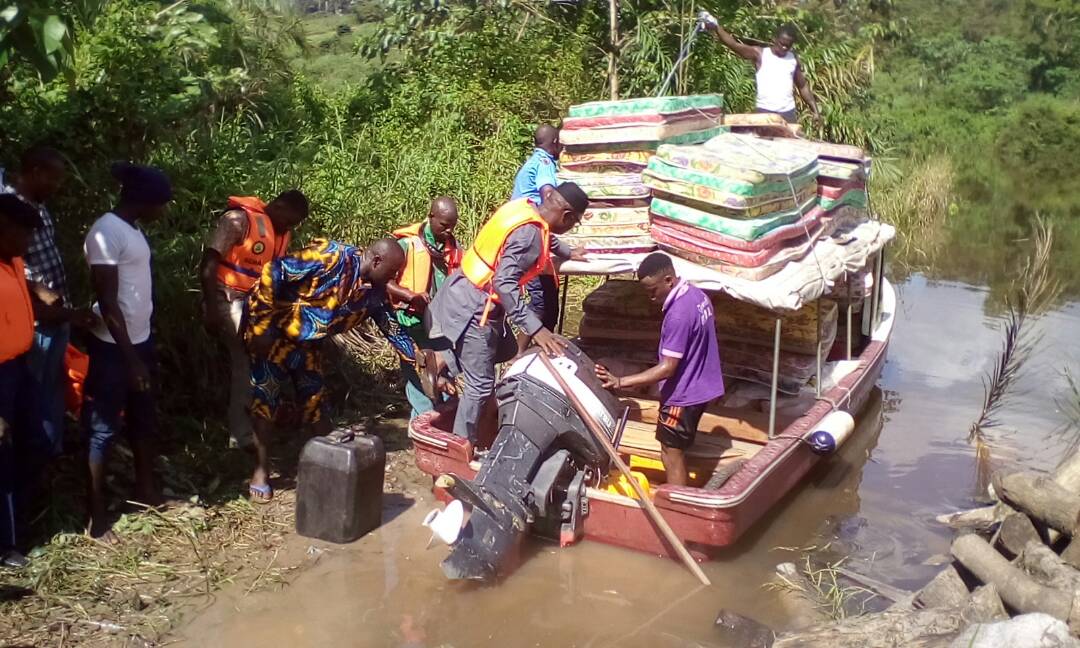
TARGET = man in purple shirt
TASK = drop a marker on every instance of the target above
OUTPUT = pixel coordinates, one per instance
(688, 367)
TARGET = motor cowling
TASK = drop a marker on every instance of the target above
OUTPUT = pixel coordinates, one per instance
(534, 474)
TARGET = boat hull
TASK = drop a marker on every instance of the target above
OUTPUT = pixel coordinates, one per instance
(705, 520)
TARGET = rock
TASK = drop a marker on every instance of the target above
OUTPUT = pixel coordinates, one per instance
(738, 630)
(1028, 630)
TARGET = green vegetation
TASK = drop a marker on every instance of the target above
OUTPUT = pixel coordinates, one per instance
(994, 89)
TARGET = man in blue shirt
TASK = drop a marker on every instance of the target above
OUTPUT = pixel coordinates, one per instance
(536, 178)
(535, 181)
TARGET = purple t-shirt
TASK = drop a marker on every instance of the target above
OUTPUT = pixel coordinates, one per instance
(689, 334)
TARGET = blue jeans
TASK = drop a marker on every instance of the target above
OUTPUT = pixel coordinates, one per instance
(414, 391)
(46, 362)
(110, 403)
(24, 448)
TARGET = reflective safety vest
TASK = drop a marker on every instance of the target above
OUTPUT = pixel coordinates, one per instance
(416, 273)
(479, 263)
(241, 267)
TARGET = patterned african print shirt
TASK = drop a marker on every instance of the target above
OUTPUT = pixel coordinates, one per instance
(311, 294)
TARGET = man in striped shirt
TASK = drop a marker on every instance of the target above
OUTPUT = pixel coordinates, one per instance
(41, 174)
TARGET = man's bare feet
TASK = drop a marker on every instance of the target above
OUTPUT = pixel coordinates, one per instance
(102, 532)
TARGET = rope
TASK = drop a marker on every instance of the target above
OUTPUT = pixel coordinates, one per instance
(684, 54)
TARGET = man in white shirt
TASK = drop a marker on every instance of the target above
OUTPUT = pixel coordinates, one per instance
(778, 70)
(119, 384)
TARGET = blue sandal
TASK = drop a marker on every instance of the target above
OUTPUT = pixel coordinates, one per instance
(261, 494)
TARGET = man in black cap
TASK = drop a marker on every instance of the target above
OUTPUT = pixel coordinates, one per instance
(119, 389)
(471, 308)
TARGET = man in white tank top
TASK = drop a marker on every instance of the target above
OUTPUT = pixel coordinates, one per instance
(778, 70)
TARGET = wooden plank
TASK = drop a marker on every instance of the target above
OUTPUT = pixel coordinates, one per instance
(640, 439)
(746, 425)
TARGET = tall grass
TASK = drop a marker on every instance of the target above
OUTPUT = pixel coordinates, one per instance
(918, 204)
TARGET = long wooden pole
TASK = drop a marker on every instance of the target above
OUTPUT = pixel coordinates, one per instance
(646, 501)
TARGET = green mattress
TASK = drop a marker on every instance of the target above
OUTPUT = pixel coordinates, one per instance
(772, 158)
(666, 171)
(657, 105)
(745, 229)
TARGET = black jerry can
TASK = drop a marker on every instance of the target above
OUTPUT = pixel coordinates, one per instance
(339, 486)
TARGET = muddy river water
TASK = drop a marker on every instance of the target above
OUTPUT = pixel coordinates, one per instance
(875, 502)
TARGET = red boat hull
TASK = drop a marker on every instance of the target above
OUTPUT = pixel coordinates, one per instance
(705, 520)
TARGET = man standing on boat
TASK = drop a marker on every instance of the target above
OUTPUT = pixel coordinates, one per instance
(471, 308)
(688, 367)
(778, 70)
(536, 181)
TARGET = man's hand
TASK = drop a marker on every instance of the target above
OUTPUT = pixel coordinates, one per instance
(818, 121)
(707, 21)
(3, 430)
(446, 386)
(418, 302)
(549, 343)
(608, 380)
(578, 254)
(138, 375)
(84, 318)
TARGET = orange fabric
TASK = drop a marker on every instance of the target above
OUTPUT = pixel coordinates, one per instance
(416, 273)
(17, 316)
(76, 366)
(482, 258)
(241, 266)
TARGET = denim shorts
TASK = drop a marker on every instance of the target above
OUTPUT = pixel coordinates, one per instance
(109, 402)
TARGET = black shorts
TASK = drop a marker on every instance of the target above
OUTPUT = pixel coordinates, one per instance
(677, 425)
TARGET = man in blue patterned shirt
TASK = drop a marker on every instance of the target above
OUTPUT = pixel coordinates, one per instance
(301, 299)
(41, 173)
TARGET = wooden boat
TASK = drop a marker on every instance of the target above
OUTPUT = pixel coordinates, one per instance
(764, 468)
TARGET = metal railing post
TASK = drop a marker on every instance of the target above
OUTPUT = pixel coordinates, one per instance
(775, 379)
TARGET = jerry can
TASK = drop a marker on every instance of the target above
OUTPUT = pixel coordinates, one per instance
(340, 485)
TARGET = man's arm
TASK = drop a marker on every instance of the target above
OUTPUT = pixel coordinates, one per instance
(50, 309)
(545, 191)
(105, 279)
(742, 50)
(805, 92)
(520, 253)
(228, 233)
(662, 371)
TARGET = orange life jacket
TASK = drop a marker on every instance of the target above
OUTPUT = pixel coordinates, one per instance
(416, 273)
(479, 263)
(241, 267)
(17, 316)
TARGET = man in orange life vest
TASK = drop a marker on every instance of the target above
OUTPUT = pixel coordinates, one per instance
(470, 310)
(431, 254)
(248, 236)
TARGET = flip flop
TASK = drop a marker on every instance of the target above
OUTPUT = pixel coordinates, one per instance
(261, 494)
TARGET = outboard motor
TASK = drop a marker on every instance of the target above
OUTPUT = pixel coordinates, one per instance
(535, 474)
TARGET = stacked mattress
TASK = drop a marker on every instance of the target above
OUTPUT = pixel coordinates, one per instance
(740, 204)
(621, 324)
(607, 144)
(842, 173)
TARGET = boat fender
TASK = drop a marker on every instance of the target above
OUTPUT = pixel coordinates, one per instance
(446, 524)
(831, 432)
